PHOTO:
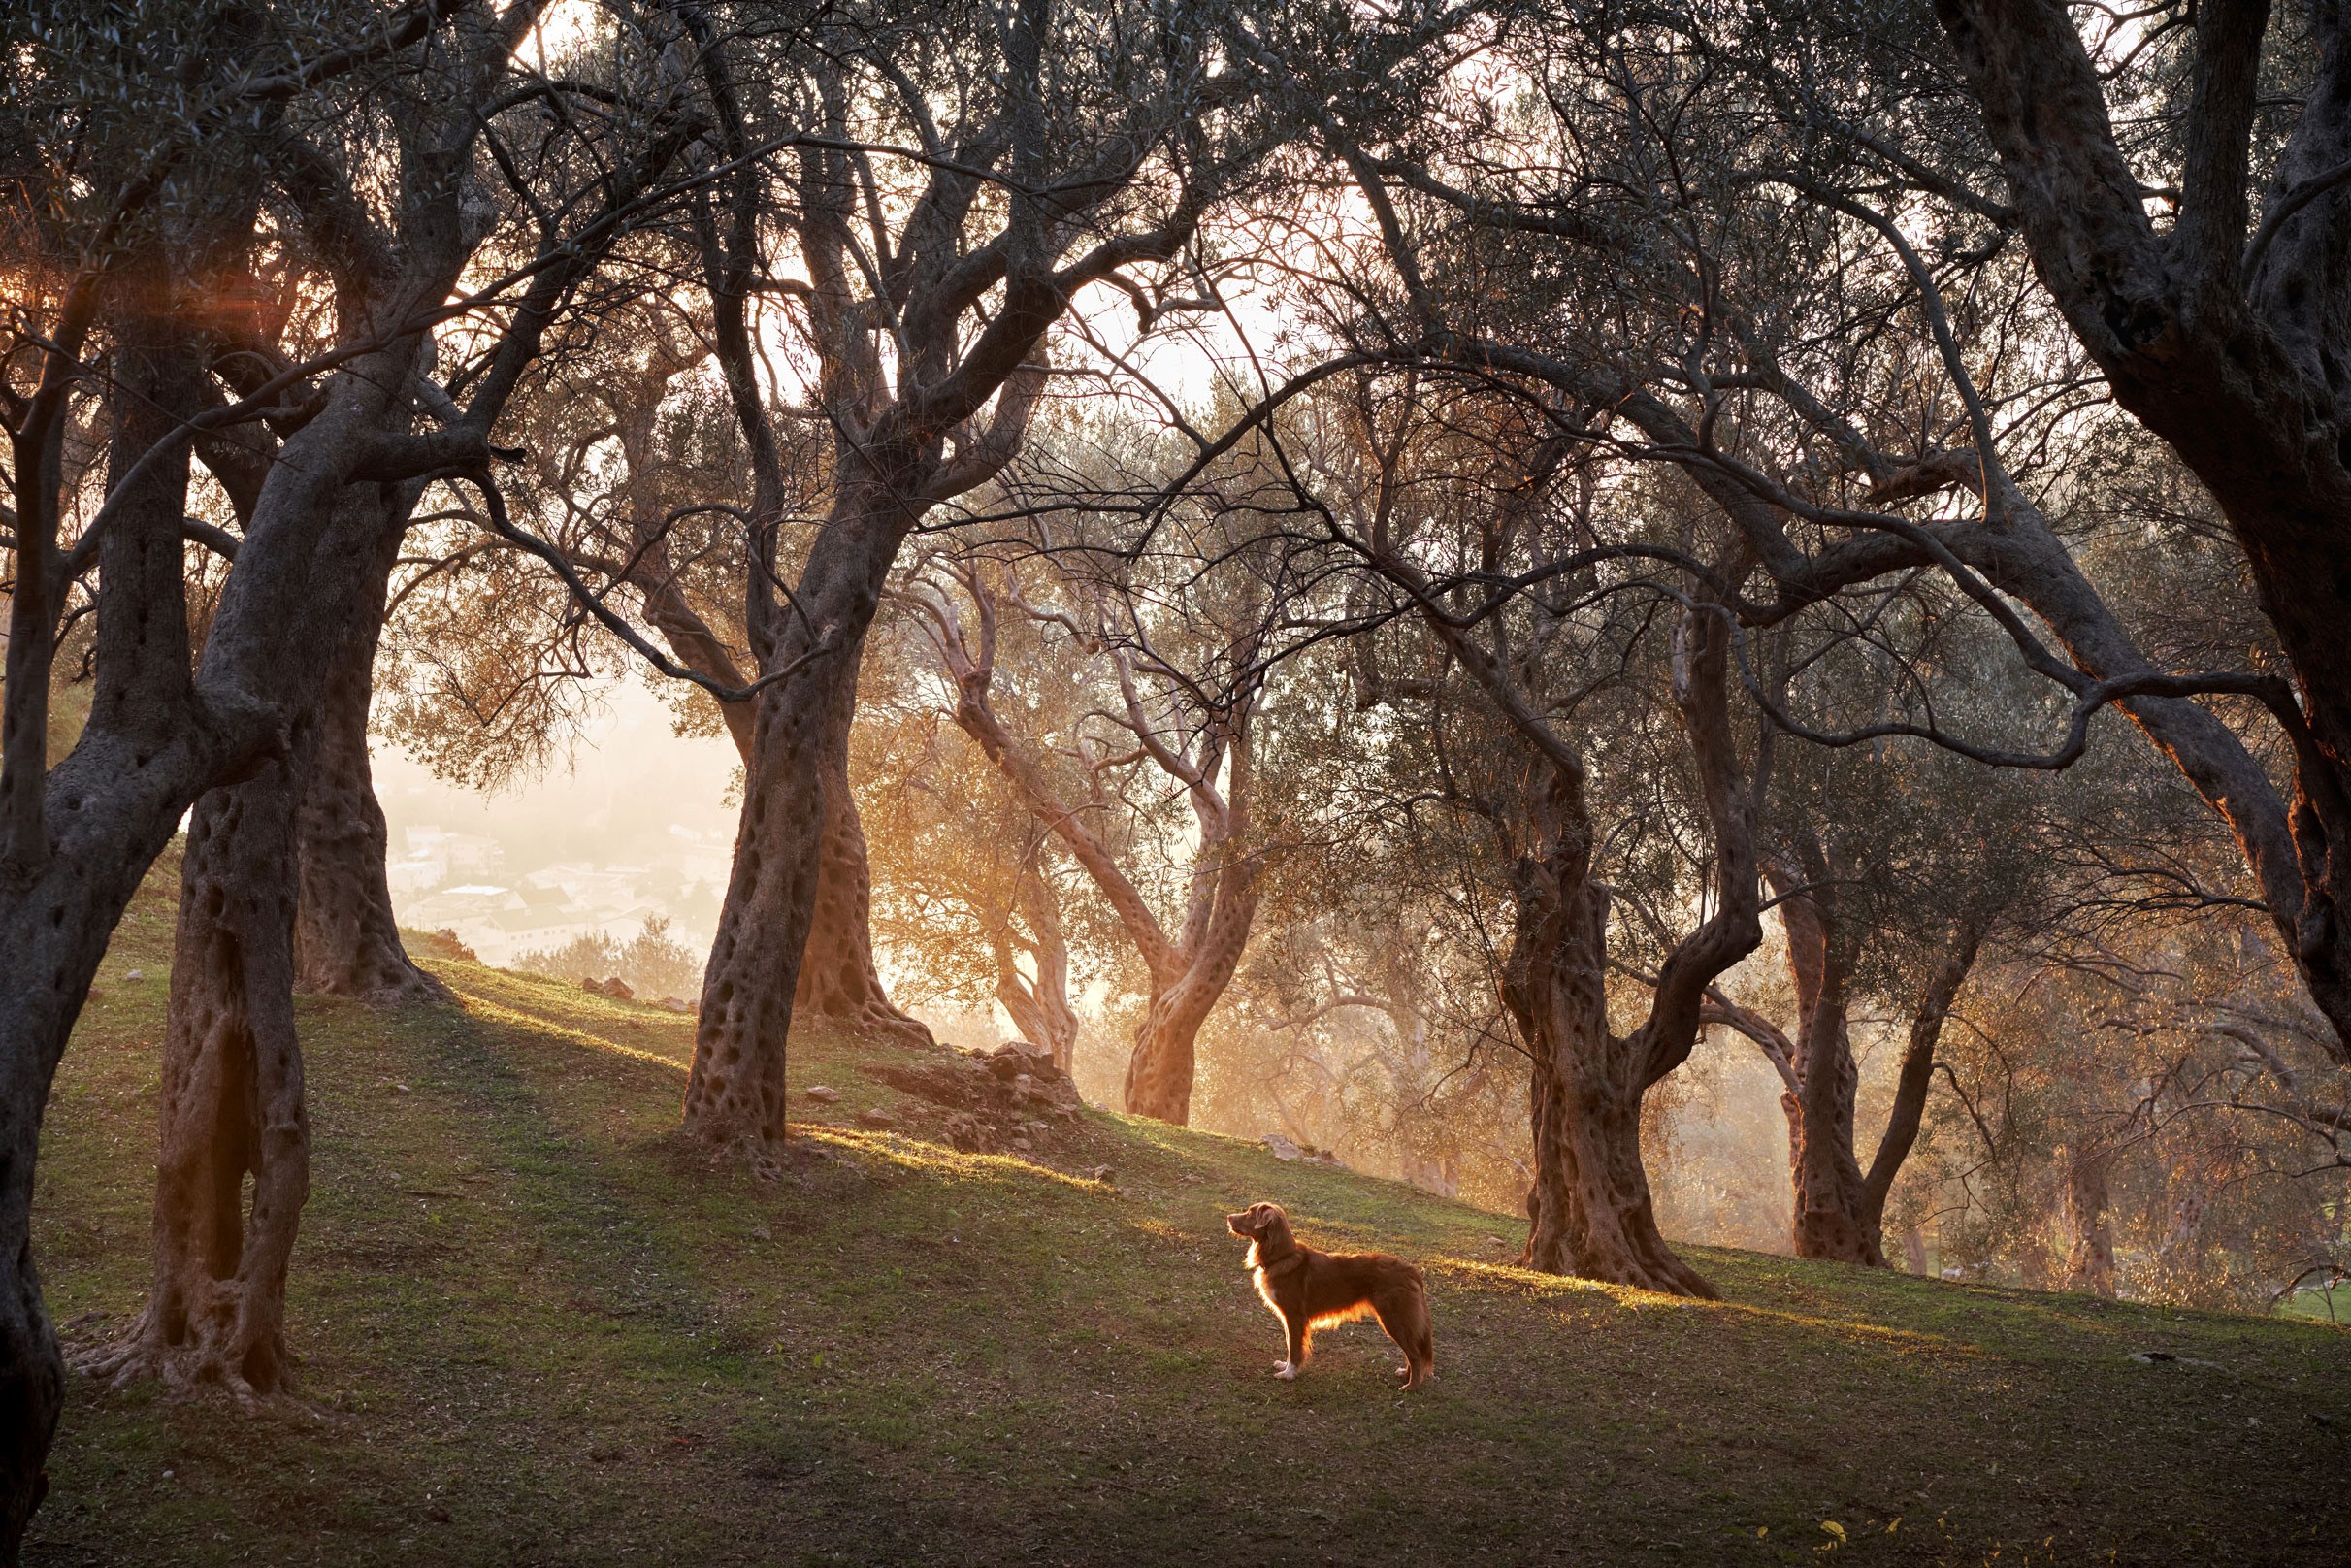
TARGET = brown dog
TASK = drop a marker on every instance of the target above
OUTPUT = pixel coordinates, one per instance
(1309, 1290)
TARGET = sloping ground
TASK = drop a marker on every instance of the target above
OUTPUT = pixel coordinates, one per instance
(536, 1330)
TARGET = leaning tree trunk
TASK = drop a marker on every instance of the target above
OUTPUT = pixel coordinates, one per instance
(1916, 1073)
(2240, 376)
(1159, 1072)
(1590, 1206)
(232, 1107)
(71, 861)
(734, 1092)
(346, 940)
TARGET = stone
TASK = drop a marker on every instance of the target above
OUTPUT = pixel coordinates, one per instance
(821, 1093)
(1282, 1147)
(875, 1116)
(618, 990)
(970, 1133)
(1010, 1092)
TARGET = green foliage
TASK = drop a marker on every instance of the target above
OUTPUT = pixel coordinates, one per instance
(654, 963)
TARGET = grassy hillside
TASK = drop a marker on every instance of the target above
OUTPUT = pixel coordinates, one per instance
(536, 1330)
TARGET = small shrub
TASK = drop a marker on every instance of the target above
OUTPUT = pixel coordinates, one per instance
(650, 963)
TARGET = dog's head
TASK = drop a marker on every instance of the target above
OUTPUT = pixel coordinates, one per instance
(1260, 1222)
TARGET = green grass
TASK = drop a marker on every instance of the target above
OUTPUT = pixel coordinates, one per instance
(2329, 1304)
(536, 1330)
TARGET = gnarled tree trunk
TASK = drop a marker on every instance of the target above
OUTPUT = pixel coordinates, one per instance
(1038, 1007)
(232, 1106)
(839, 985)
(346, 940)
(1590, 1205)
(77, 838)
(1838, 1212)
(2090, 1239)
(1589, 1209)
(734, 1092)
(1829, 1218)
(1160, 1071)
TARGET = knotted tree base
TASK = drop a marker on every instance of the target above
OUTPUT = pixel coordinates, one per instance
(838, 985)
(233, 1118)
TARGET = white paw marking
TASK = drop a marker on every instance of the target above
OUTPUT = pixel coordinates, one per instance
(1282, 1369)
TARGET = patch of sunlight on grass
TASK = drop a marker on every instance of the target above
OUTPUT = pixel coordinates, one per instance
(1850, 1327)
(493, 1013)
(1530, 1281)
(897, 1150)
(1516, 1281)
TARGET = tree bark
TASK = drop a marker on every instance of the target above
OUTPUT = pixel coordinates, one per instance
(839, 985)
(1589, 1208)
(80, 835)
(734, 1092)
(346, 940)
(1830, 1219)
(1838, 1212)
(1039, 1007)
(232, 1106)
(1590, 1205)
(2090, 1239)
(1159, 1070)
(2242, 375)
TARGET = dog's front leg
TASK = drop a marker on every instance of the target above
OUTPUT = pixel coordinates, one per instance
(1297, 1348)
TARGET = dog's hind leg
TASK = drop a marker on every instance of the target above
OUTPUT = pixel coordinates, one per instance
(1404, 1317)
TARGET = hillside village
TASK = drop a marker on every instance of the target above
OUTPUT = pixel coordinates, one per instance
(467, 884)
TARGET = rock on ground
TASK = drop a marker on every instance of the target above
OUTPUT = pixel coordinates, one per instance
(1011, 1097)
